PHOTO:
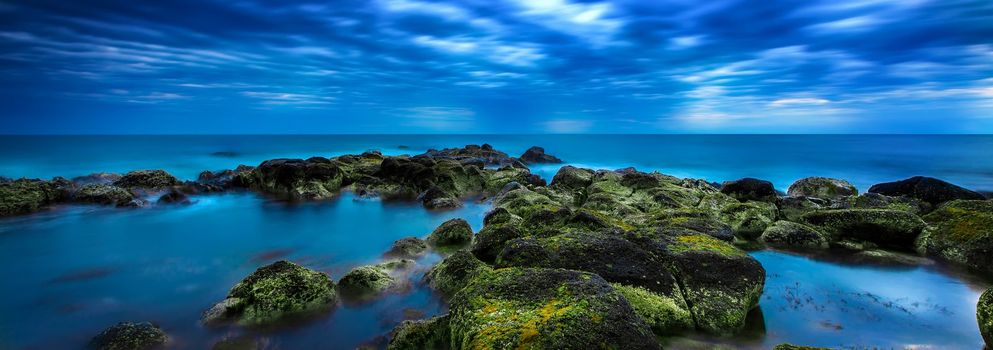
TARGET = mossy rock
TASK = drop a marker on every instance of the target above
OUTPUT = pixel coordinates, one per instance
(150, 179)
(878, 201)
(314, 178)
(750, 189)
(961, 231)
(572, 178)
(451, 233)
(984, 315)
(545, 309)
(927, 189)
(104, 194)
(500, 216)
(794, 208)
(455, 272)
(887, 228)
(367, 282)
(129, 336)
(720, 282)
(667, 315)
(519, 200)
(821, 187)
(797, 347)
(275, 292)
(748, 220)
(887, 258)
(492, 239)
(423, 334)
(615, 259)
(408, 247)
(26, 196)
(786, 234)
(690, 221)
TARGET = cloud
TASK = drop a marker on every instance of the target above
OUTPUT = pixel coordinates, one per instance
(438, 118)
(567, 126)
(288, 99)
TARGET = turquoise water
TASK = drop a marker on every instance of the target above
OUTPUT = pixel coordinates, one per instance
(74, 270)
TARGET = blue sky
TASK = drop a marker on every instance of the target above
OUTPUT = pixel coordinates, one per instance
(491, 66)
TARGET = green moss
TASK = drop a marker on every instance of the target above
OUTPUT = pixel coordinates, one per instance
(984, 315)
(425, 334)
(455, 272)
(275, 291)
(960, 231)
(26, 196)
(666, 315)
(147, 179)
(786, 234)
(696, 243)
(822, 187)
(129, 336)
(454, 232)
(891, 228)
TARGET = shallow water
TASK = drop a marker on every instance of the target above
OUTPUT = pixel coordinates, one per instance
(74, 270)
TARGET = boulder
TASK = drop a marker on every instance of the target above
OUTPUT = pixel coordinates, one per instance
(821, 187)
(879, 201)
(367, 282)
(27, 196)
(314, 178)
(104, 194)
(423, 334)
(455, 272)
(960, 231)
(174, 197)
(786, 234)
(664, 314)
(750, 189)
(793, 208)
(536, 155)
(887, 228)
(147, 179)
(409, 247)
(927, 189)
(984, 315)
(129, 336)
(491, 240)
(545, 309)
(721, 283)
(451, 233)
(273, 293)
(572, 178)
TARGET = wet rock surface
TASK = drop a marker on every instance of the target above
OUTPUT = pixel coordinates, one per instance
(129, 336)
(273, 293)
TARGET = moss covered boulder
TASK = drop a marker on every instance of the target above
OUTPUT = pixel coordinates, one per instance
(148, 179)
(455, 272)
(491, 240)
(961, 231)
(887, 228)
(720, 282)
(545, 309)
(451, 233)
(821, 187)
(537, 155)
(879, 201)
(747, 219)
(367, 282)
(26, 196)
(273, 293)
(786, 234)
(665, 314)
(314, 178)
(409, 247)
(423, 334)
(794, 208)
(927, 189)
(750, 189)
(570, 177)
(104, 194)
(984, 315)
(129, 336)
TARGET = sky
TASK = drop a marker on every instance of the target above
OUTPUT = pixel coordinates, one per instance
(495, 66)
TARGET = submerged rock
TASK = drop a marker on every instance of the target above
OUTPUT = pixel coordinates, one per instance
(150, 179)
(821, 187)
(928, 189)
(367, 282)
(424, 334)
(536, 155)
(129, 336)
(887, 228)
(174, 197)
(451, 233)
(984, 315)
(750, 189)
(27, 196)
(786, 234)
(545, 309)
(961, 231)
(273, 293)
(720, 282)
(409, 247)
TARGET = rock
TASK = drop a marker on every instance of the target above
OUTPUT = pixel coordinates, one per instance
(244, 342)
(209, 181)
(451, 233)
(129, 336)
(786, 234)
(683, 223)
(927, 189)
(796, 347)
(747, 220)
(500, 216)
(27, 196)
(96, 178)
(149, 179)
(545, 309)
(888, 258)
(409, 247)
(174, 197)
(484, 152)
(455, 272)
(984, 315)
(960, 231)
(572, 178)
(425, 334)
(720, 282)
(878, 201)
(370, 281)
(793, 208)
(492, 239)
(314, 178)
(821, 187)
(665, 315)
(274, 293)
(536, 155)
(750, 189)
(887, 228)
(104, 194)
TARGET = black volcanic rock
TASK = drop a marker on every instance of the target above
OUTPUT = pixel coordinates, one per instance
(750, 189)
(928, 189)
(537, 155)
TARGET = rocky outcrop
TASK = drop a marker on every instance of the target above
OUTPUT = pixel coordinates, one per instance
(537, 155)
(147, 179)
(984, 315)
(451, 233)
(273, 293)
(750, 189)
(27, 196)
(927, 189)
(821, 187)
(961, 231)
(887, 228)
(792, 235)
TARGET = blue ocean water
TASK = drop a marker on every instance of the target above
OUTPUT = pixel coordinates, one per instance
(75, 270)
